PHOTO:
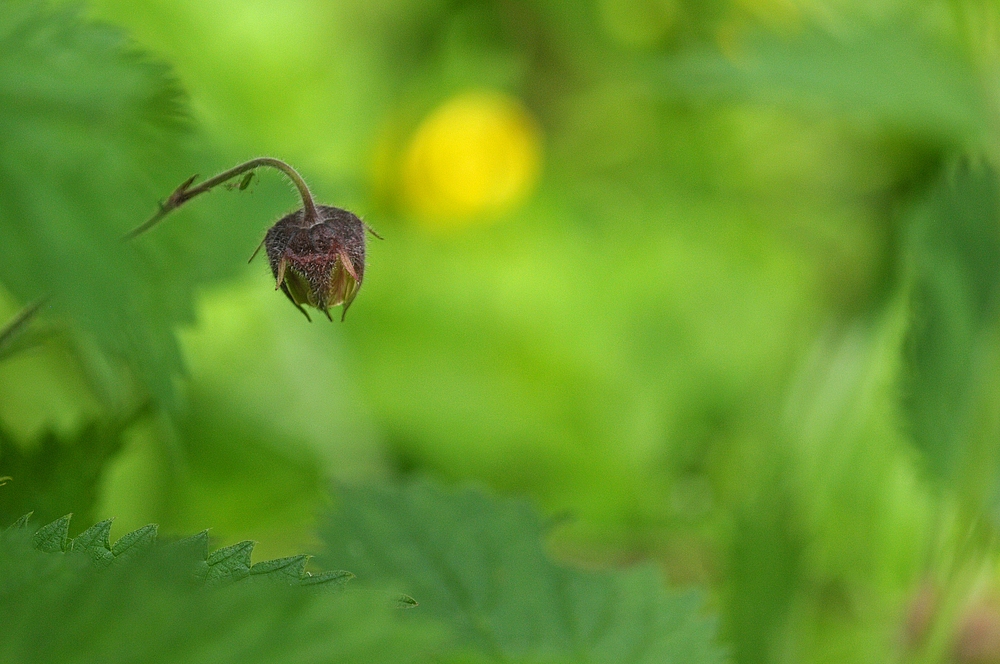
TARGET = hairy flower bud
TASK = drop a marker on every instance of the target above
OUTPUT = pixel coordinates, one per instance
(319, 264)
(317, 253)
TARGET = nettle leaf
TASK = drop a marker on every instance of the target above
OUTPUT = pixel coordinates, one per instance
(84, 117)
(53, 537)
(899, 79)
(93, 135)
(59, 607)
(224, 566)
(477, 562)
(96, 542)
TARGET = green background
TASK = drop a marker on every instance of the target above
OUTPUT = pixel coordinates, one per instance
(743, 325)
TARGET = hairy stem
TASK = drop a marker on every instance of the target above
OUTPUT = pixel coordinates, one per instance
(186, 192)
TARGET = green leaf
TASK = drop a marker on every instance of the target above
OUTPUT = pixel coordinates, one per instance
(952, 249)
(94, 134)
(96, 541)
(135, 542)
(56, 475)
(21, 523)
(62, 608)
(899, 79)
(336, 577)
(478, 563)
(230, 563)
(292, 567)
(89, 127)
(52, 538)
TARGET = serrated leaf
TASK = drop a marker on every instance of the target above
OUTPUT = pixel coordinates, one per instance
(87, 123)
(230, 563)
(96, 542)
(336, 577)
(21, 523)
(197, 543)
(52, 538)
(93, 135)
(289, 569)
(63, 609)
(477, 562)
(135, 542)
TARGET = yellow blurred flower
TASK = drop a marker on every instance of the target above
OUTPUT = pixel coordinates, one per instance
(476, 155)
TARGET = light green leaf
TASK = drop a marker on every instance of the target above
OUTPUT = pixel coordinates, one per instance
(94, 134)
(478, 563)
(87, 123)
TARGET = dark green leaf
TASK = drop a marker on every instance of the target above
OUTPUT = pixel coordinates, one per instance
(60, 608)
(52, 538)
(96, 541)
(478, 563)
(953, 252)
(230, 563)
(56, 475)
(292, 568)
(135, 542)
(93, 136)
(88, 126)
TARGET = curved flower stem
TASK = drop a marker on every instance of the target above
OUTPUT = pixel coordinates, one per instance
(186, 192)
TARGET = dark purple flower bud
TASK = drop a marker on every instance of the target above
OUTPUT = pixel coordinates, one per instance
(319, 264)
(317, 253)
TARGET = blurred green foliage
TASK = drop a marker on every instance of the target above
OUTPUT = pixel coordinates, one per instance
(743, 321)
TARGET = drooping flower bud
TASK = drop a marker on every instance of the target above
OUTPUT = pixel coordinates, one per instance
(320, 264)
(317, 253)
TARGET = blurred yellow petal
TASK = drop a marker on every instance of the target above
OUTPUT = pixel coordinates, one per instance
(477, 155)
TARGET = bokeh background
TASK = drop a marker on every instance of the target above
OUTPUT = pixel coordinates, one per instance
(713, 283)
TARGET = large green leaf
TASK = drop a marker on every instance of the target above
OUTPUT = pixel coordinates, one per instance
(87, 124)
(139, 603)
(94, 134)
(478, 563)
